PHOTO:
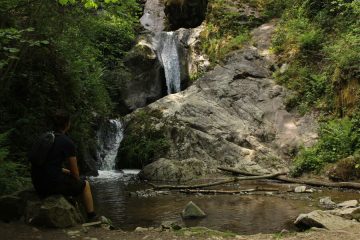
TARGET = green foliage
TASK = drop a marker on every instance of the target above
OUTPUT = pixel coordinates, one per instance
(143, 142)
(227, 29)
(337, 139)
(54, 56)
(11, 173)
(320, 41)
(310, 89)
(4, 151)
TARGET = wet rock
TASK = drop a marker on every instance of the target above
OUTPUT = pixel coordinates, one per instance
(327, 203)
(54, 211)
(192, 211)
(348, 213)
(147, 82)
(348, 204)
(300, 189)
(321, 219)
(168, 170)
(171, 225)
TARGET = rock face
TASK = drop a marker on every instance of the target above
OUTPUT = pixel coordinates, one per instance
(185, 13)
(321, 219)
(168, 170)
(148, 81)
(153, 18)
(192, 211)
(235, 115)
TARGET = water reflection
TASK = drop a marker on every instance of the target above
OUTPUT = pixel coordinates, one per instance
(238, 213)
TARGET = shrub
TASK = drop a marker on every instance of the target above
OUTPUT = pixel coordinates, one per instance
(337, 139)
(12, 175)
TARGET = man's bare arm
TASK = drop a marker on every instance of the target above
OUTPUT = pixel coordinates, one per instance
(74, 170)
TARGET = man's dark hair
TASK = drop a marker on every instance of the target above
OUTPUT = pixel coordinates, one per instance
(60, 120)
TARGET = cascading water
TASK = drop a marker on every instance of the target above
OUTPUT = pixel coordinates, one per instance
(109, 139)
(169, 58)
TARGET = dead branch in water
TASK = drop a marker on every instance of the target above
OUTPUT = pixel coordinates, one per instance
(213, 191)
(157, 187)
(310, 182)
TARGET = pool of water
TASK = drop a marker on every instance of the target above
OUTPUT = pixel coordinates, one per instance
(245, 214)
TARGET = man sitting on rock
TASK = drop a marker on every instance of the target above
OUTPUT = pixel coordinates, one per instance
(51, 178)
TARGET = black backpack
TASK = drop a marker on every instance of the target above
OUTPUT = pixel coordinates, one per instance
(39, 152)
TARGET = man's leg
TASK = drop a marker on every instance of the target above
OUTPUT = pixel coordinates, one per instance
(88, 199)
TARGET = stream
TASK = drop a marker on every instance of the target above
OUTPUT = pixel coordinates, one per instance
(243, 214)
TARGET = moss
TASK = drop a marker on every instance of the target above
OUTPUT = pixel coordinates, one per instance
(204, 232)
(145, 140)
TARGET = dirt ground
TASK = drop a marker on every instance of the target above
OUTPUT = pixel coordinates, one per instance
(20, 231)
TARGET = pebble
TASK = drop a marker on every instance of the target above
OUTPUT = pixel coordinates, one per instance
(141, 229)
(300, 189)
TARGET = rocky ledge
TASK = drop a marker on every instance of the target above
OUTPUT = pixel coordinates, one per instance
(233, 116)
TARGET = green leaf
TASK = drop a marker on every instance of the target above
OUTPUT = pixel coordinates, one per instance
(63, 2)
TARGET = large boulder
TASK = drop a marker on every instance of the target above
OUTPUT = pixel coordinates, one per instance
(54, 211)
(235, 116)
(321, 219)
(168, 170)
(147, 83)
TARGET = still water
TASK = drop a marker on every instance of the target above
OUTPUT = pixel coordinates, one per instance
(245, 214)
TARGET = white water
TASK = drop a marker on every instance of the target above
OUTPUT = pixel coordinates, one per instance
(110, 138)
(169, 58)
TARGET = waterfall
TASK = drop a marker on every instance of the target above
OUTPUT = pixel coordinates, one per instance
(109, 139)
(169, 58)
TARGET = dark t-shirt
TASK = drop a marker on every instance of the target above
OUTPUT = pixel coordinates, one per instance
(51, 171)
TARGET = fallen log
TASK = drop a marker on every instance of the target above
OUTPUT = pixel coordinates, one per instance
(214, 191)
(157, 187)
(310, 182)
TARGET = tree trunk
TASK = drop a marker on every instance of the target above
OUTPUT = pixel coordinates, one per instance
(215, 183)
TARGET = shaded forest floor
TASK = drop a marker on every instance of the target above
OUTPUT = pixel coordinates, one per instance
(22, 231)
